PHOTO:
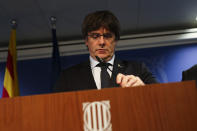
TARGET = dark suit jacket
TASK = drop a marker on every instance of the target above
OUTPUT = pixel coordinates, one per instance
(79, 77)
(190, 74)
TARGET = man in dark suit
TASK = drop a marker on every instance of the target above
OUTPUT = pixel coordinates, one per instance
(190, 74)
(101, 32)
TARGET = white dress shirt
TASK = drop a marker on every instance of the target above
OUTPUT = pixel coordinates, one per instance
(96, 71)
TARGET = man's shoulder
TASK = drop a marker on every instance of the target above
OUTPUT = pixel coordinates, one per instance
(193, 69)
(190, 74)
(132, 63)
(76, 67)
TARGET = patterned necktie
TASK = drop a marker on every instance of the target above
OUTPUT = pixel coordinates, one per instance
(105, 78)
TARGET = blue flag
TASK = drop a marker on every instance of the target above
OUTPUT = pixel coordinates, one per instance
(56, 64)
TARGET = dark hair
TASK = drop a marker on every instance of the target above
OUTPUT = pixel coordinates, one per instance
(105, 19)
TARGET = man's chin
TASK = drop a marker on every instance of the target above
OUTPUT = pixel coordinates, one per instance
(104, 57)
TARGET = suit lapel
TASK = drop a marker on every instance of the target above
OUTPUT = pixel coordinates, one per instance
(87, 74)
(118, 67)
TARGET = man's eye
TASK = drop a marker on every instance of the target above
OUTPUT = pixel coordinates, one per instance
(107, 35)
(95, 36)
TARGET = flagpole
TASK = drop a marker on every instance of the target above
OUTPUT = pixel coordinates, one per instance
(10, 85)
(56, 64)
(53, 21)
(13, 23)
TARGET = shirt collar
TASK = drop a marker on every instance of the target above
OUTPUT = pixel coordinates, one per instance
(93, 62)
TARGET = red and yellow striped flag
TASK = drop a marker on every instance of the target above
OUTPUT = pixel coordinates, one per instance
(10, 85)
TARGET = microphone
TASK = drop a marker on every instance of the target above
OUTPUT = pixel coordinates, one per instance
(102, 62)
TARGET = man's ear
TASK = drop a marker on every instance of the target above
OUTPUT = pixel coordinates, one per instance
(86, 41)
(115, 43)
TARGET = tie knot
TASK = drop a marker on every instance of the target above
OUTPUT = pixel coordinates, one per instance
(103, 64)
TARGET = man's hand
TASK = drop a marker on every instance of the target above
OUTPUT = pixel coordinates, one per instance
(128, 80)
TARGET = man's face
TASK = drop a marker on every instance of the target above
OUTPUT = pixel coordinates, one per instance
(101, 43)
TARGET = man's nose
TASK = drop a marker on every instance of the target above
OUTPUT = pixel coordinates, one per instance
(101, 41)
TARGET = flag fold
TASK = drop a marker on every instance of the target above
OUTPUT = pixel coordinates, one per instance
(10, 85)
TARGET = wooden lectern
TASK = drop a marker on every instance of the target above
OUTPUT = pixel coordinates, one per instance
(156, 107)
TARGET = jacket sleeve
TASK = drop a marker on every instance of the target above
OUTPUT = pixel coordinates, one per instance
(62, 83)
(146, 76)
